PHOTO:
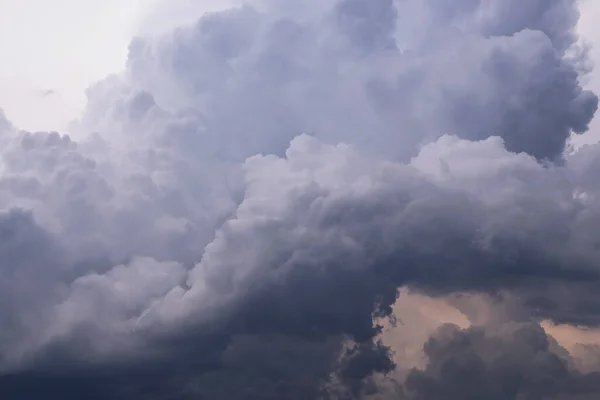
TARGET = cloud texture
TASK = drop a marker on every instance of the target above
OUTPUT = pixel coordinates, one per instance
(518, 362)
(249, 195)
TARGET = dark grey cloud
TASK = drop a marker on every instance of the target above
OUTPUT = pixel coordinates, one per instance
(251, 367)
(48, 93)
(516, 363)
(252, 191)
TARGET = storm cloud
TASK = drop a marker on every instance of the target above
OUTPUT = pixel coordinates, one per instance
(517, 362)
(231, 214)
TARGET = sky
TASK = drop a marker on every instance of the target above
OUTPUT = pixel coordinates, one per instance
(299, 199)
(65, 46)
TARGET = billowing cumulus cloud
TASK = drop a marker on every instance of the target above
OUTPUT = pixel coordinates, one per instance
(231, 213)
(517, 362)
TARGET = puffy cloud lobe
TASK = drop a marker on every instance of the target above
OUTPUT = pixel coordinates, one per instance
(330, 255)
(324, 215)
(222, 231)
(349, 72)
(518, 362)
(317, 265)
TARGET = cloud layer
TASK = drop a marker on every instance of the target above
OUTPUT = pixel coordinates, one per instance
(249, 195)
